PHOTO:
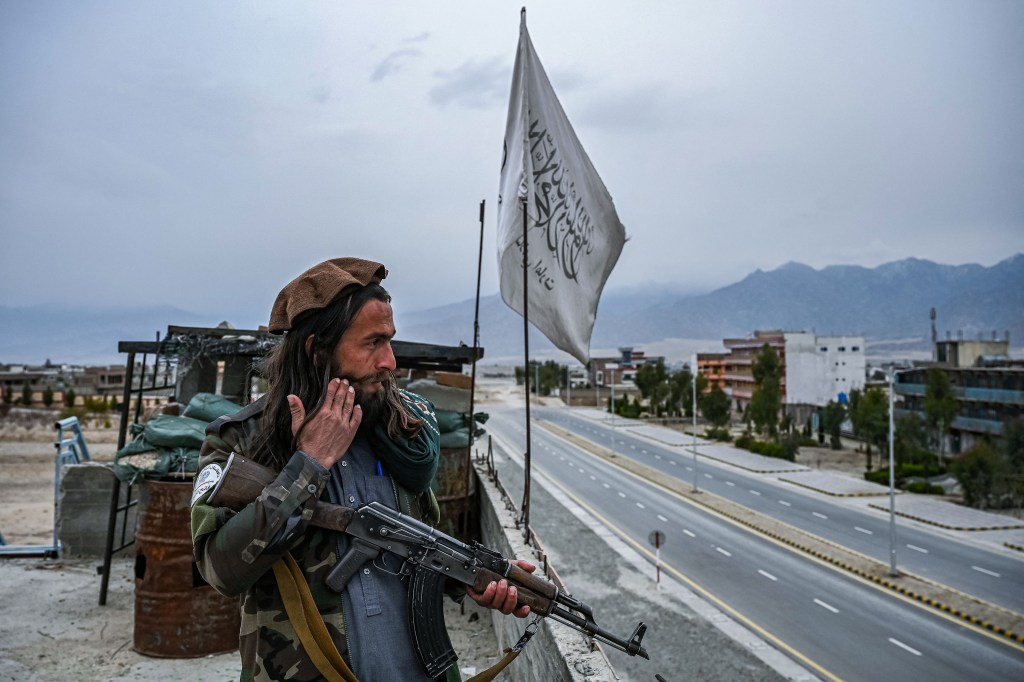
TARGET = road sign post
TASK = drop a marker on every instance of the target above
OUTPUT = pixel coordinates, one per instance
(657, 539)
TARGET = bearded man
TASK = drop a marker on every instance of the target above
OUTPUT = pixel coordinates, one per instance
(335, 426)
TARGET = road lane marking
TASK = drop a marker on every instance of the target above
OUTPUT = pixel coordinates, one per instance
(622, 495)
(754, 492)
(692, 535)
(689, 469)
(645, 452)
(672, 462)
(606, 485)
(730, 483)
(662, 518)
(784, 503)
(708, 476)
(593, 477)
(979, 569)
(863, 530)
(640, 505)
(905, 647)
(922, 550)
(820, 516)
(826, 606)
(768, 575)
(722, 551)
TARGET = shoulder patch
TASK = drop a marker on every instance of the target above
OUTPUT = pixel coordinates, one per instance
(206, 479)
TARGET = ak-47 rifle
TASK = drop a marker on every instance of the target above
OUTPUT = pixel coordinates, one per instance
(429, 557)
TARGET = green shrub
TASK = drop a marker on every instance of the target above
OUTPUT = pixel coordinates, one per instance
(744, 441)
(790, 445)
(925, 488)
(79, 412)
(718, 434)
(768, 449)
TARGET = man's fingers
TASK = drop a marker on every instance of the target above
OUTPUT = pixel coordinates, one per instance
(332, 394)
(298, 412)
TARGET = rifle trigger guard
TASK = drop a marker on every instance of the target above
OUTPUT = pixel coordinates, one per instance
(531, 630)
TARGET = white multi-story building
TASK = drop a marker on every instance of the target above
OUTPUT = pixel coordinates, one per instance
(823, 368)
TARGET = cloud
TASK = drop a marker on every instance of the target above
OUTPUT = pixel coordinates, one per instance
(474, 85)
(393, 63)
(421, 38)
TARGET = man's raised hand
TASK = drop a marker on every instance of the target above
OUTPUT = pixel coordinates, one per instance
(332, 429)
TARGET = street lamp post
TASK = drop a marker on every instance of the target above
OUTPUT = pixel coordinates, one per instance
(693, 365)
(892, 476)
(613, 394)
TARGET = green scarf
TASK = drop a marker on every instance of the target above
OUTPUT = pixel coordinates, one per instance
(412, 462)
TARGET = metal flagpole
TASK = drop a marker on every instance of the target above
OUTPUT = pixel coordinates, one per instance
(526, 374)
(476, 351)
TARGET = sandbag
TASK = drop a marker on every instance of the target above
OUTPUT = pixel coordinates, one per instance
(209, 406)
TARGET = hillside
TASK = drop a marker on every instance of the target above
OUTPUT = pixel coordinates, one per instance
(888, 303)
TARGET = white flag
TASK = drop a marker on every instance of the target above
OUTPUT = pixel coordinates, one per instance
(574, 236)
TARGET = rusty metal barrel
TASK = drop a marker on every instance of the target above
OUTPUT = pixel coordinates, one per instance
(177, 614)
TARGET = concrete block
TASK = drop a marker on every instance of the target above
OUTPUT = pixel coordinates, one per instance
(84, 511)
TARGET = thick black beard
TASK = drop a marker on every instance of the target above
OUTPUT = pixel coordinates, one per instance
(372, 406)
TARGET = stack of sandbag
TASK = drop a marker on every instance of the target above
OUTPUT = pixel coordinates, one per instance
(168, 445)
(449, 393)
(454, 427)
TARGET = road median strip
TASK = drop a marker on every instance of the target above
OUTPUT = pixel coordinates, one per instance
(989, 616)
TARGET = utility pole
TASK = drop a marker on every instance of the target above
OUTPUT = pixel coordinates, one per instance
(693, 373)
(892, 476)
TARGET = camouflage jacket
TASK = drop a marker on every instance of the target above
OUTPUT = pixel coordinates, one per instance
(235, 551)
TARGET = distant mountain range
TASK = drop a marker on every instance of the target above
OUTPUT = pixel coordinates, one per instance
(889, 302)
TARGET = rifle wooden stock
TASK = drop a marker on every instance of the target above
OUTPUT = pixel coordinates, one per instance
(244, 480)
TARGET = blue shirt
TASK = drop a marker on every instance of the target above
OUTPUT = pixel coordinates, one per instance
(375, 600)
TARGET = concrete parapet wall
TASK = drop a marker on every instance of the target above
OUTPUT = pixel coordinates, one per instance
(556, 652)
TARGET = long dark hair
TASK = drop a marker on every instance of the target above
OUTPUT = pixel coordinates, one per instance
(289, 369)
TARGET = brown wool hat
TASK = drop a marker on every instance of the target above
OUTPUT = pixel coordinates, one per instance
(318, 286)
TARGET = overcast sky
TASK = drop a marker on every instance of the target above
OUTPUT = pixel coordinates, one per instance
(202, 154)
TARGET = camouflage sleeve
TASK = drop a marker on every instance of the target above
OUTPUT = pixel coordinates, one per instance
(233, 549)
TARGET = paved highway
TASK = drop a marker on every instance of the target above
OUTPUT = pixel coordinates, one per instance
(840, 627)
(971, 569)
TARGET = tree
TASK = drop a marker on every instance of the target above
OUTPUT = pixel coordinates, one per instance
(832, 417)
(911, 440)
(69, 397)
(549, 375)
(979, 471)
(767, 398)
(649, 376)
(869, 414)
(8, 395)
(940, 406)
(652, 380)
(716, 407)
(48, 396)
(26, 394)
(1012, 448)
